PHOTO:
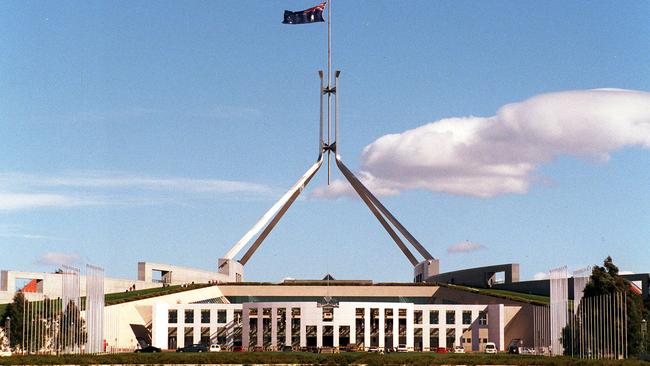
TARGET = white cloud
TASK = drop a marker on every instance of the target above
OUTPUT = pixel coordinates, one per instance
(26, 191)
(58, 259)
(540, 276)
(465, 247)
(17, 201)
(116, 180)
(488, 156)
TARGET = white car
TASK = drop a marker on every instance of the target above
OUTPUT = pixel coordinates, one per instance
(402, 348)
(490, 347)
(459, 349)
(215, 348)
(5, 353)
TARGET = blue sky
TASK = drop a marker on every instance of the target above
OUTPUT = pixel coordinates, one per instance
(161, 131)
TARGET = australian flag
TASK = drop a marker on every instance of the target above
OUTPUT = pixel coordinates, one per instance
(311, 15)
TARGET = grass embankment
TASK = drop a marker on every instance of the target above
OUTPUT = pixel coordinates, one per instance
(356, 358)
(121, 297)
(504, 294)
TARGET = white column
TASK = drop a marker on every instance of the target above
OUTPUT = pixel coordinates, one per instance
(366, 330)
(159, 325)
(382, 325)
(353, 327)
(260, 327)
(274, 327)
(287, 327)
(395, 327)
(303, 328)
(319, 335)
(230, 318)
(425, 329)
(409, 328)
(246, 328)
(336, 334)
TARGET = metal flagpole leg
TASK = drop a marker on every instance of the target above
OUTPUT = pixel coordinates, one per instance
(277, 217)
(271, 213)
(356, 184)
(416, 244)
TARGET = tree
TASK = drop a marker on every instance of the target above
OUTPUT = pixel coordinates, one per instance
(15, 310)
(71, 327)
(606, 280)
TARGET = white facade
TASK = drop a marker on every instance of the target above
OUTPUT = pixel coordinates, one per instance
(306, 324)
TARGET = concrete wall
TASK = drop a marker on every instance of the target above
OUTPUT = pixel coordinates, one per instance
(482, 277)
(52, 285)
(311, 314)
(542, 287)
(228, 271)
(119, 318)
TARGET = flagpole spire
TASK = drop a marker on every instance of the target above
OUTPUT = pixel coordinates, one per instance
(329, 83)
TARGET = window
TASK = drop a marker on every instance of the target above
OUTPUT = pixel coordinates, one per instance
(434, 338)
(467, 317)
(173, 316)
(450, 340)
(328, 314)
(172, 341)
(205, 335)
(237, 316)
(295, 312)
(188, 336)
(221, 316)
(451, 317)
(205, 316)
(433, 317)
(483, 318)
(189, 316)
(417, 316)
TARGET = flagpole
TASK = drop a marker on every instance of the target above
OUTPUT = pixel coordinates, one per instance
(329, 83)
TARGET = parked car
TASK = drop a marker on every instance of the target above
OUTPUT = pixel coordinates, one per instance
(194, 348)
(401, 348)
(5, 353)
(490, 347)
(373, 349)
(148, 349)
(459, 349)
(238, 349)
(215, 348)
(442, 350)
(516, 346)
(286, 349)
(529, 351)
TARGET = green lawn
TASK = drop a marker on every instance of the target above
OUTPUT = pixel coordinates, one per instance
(504, 294)
(120, 297)
(356, 358)
(516, 296)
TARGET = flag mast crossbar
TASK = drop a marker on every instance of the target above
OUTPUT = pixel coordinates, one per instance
(270, 219)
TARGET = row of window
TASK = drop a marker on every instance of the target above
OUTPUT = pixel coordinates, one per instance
(434, 315)
(205, 316)
(450, 317)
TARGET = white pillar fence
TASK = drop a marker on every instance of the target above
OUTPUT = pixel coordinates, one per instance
(67, 324)
(588, 327)
(559, 302)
